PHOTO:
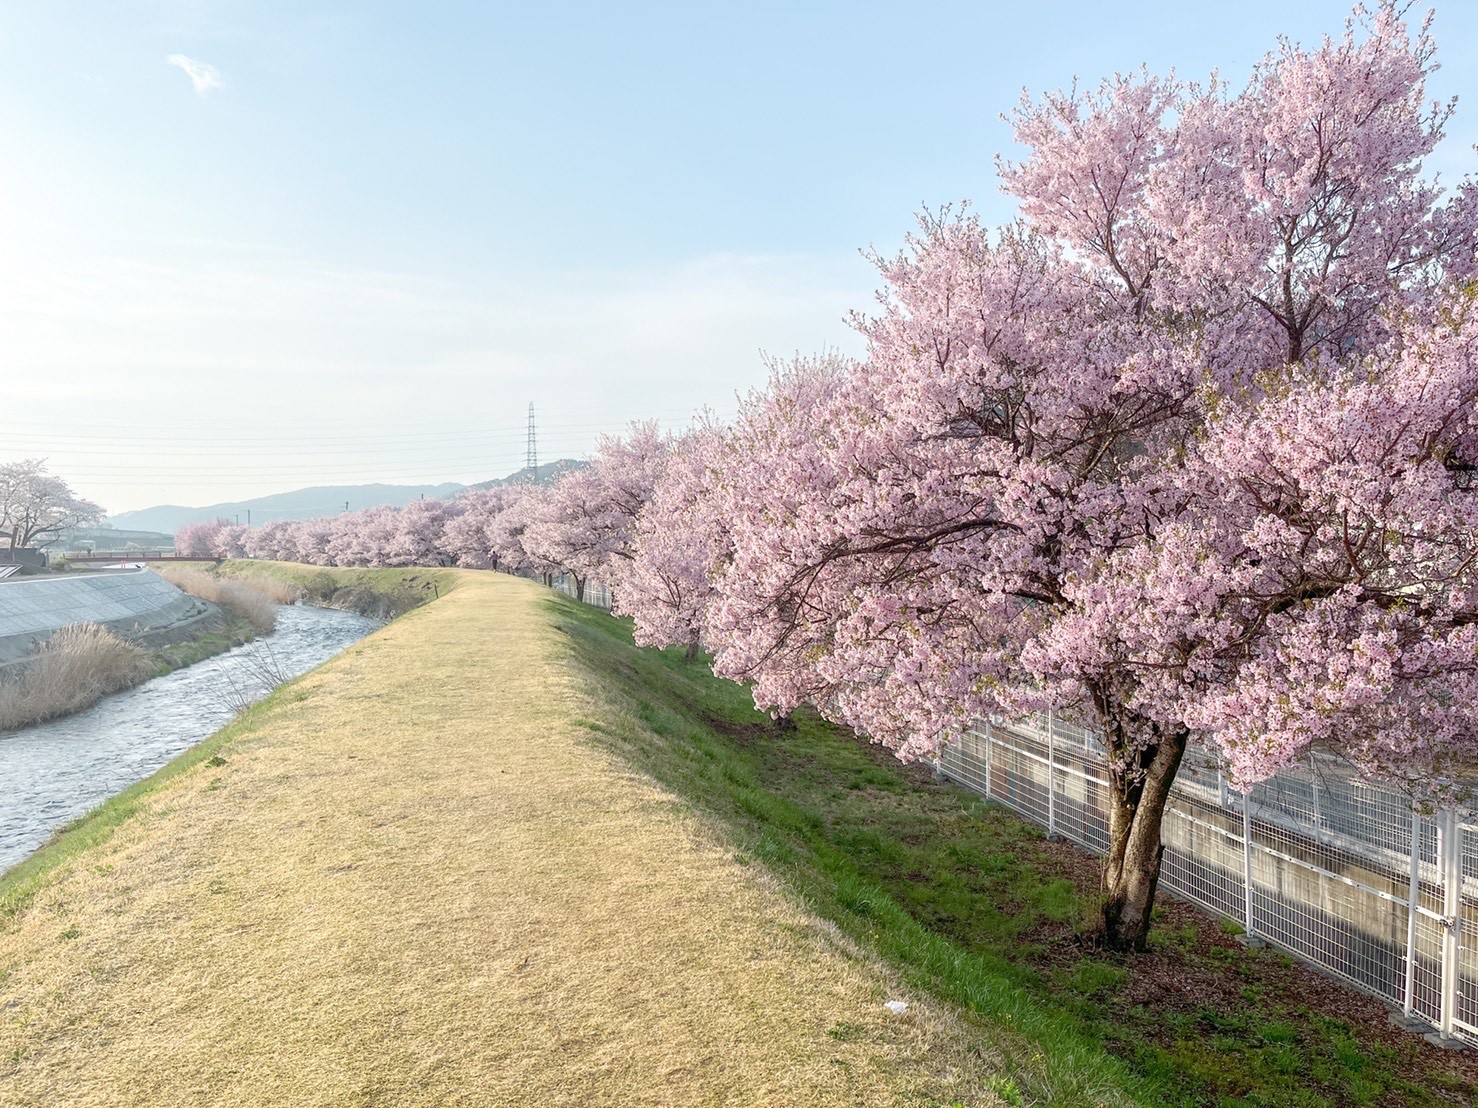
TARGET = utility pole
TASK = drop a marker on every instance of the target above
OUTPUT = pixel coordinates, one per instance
(532, 461)
(346, 505)
(248, 517)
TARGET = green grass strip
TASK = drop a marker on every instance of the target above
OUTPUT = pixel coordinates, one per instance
(699, 736)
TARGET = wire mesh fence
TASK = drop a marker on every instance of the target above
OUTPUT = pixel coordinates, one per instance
(1341, 872)
(595, 592)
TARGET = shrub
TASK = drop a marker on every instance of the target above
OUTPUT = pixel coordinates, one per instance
(74, 669)
(255, 601)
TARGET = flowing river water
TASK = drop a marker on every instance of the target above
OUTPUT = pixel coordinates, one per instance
(52, 773)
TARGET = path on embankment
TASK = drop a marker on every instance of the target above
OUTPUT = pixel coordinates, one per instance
(413, 882)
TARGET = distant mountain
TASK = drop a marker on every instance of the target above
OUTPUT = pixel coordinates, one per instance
(321, 500)
(541, 476)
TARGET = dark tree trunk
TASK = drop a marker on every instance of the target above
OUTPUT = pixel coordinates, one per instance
(1140, 775)
(579, 587)
(695, 648)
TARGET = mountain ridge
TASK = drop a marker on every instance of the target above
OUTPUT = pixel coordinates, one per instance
(304, 503)
(321, 500)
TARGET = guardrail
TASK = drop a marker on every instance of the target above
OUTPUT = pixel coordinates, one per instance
(137, 556)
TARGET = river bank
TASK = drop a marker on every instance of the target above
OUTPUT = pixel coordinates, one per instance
(57, 771)
(68, 641)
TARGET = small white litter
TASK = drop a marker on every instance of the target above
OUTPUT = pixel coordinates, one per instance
(897, 1007)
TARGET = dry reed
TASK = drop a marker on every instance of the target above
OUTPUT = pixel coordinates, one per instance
(74, 669)
(255, 601)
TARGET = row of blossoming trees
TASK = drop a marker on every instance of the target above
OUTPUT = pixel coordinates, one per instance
(1188, 451)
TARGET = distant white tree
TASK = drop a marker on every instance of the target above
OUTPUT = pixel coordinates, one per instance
(36, 505)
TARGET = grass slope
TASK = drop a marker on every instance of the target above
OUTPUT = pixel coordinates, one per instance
(411, 877)
(973, 905)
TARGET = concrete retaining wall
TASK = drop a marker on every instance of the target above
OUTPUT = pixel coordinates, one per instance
(129, 602)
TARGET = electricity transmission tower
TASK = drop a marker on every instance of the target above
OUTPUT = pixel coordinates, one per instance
(532, 461)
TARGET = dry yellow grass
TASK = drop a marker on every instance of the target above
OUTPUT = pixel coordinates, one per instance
(413, 883)
(254, 600)
(74, 669)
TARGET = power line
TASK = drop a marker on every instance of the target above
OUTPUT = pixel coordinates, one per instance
(134, 430)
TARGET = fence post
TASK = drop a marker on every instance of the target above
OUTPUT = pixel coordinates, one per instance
(1247, 863)
(1408, 1001)
(1450, 855)
(1051, 776)
(990, 740)
(1314, 788)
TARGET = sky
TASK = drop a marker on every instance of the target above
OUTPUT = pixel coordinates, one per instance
(253, 245)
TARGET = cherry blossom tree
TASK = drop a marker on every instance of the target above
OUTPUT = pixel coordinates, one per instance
(586, 522)
(271, 541)
(36, 505)
(776, 475)
(418, 539)
(467, 538)
(311, 538)
(1344, 607)
(680, 541)
(1187, 452)
(229, 541)
(198, 540)
(506, 530)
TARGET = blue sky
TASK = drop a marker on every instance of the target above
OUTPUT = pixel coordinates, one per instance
(377, 231)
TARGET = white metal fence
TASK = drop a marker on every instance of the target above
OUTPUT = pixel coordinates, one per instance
(1340, 872)
(596, 593)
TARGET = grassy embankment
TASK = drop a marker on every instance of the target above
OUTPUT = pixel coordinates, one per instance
(248, 594)
(378, 593)
(975, 906)
(411, 877)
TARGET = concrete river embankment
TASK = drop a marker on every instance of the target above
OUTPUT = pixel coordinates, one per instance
(130, 602)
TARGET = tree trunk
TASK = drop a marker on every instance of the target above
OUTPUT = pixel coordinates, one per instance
(695, 648)
(1139, 787)
(579, 587)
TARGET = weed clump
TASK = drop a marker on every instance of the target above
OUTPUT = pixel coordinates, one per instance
(255, 600)
(74, 669)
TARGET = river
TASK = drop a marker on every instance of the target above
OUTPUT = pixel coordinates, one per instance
(52, 773)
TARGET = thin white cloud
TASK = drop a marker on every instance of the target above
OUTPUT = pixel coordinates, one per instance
(206, 78)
